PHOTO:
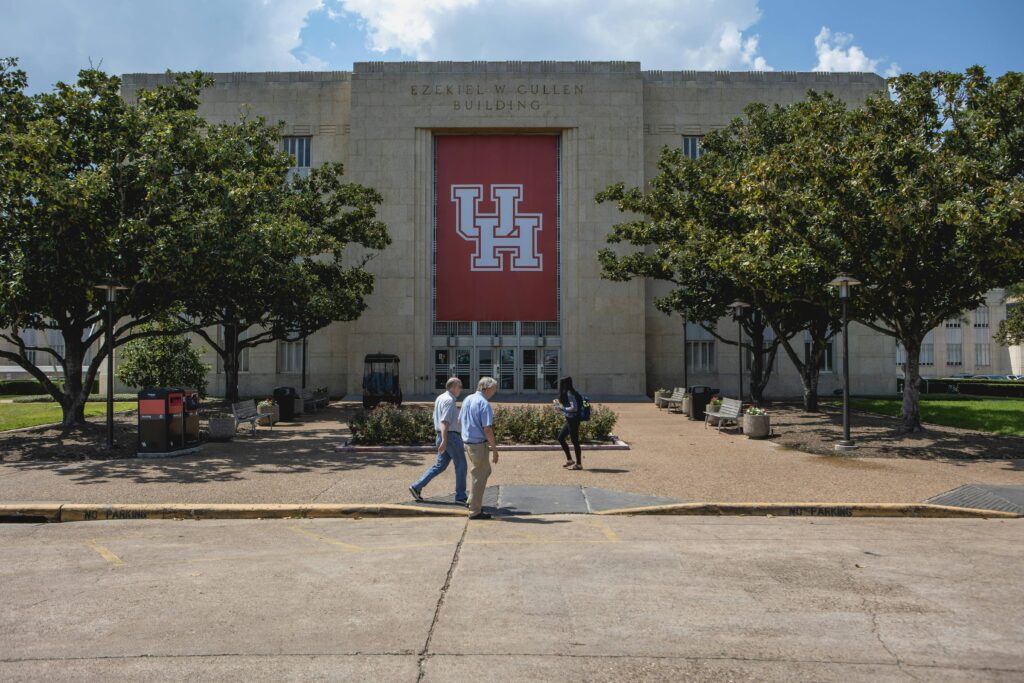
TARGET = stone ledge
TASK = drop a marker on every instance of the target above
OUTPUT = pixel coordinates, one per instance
(617, 445)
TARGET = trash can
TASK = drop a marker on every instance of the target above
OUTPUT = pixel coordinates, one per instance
(700, 395)
(285, 397)
(161, 421)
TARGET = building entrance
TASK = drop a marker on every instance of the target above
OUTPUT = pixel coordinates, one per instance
(522, 364)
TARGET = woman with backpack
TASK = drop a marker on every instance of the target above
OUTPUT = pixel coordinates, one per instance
(570, 403)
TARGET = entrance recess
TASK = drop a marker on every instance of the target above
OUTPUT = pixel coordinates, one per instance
(522, 363)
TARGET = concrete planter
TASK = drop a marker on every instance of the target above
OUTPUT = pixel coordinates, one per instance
(757, 426)
(269, 416)
(221, 428)
(685, 406)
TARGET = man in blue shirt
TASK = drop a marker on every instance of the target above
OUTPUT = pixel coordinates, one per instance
(478, 435)
(448, 442)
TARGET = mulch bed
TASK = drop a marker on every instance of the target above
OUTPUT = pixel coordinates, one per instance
(876, 436)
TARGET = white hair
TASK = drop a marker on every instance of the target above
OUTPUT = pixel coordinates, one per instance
(452, 381)
(486, 383)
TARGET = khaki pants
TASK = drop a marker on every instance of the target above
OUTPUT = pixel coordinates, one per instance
(479, 470)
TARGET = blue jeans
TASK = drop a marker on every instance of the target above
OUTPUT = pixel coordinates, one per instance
(456, 453)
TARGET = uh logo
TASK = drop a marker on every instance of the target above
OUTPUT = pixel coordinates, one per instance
(496, 235)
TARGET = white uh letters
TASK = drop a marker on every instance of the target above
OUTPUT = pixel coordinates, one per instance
(507, 231)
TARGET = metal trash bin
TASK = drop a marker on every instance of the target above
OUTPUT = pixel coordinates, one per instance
(161, 421)
(700, 396)
(285, 397)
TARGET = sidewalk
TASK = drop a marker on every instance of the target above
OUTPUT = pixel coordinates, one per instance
(670, 457)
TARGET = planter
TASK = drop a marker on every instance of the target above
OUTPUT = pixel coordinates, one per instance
(221, 428)
(269, 416)
(300, 406)
(757, 426)
(685, 406)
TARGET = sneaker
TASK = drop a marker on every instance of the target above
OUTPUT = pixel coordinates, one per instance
(462, 501)
(415, 493)
(480, 515)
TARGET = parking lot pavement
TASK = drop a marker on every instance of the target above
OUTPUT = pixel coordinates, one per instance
(554, 597)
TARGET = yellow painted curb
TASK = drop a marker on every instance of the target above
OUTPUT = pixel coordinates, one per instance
(812, 510)
(49, 512)
(78, 512)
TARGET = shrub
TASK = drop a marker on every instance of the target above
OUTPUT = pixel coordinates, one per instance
(390, 424)
(163, 361)
(30, 387)
(94, 398)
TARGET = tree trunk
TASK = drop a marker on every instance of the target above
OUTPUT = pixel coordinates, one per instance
(809, 379)
(72, 401)
(231, 356)
(910, 418)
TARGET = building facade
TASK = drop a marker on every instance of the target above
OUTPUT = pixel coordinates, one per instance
(488, 172)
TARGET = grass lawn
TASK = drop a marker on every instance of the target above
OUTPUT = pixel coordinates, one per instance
(15, 415)
(996, 415)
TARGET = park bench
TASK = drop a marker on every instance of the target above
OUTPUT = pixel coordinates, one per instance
(245, 412)
(314, 400)
(729, 411)
(675, 401)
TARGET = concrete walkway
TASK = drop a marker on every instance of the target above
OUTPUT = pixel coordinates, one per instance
(561, 598)
(670, 457)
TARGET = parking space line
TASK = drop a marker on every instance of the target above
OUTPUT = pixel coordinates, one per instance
(608, 532)
(324, 539)
(105, 553)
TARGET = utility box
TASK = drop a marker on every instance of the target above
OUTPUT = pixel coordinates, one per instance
(162, 421)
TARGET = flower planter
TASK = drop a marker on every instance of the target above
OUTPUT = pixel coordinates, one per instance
(685, 407)
(221, 428)
(757, 426)
(269, 416)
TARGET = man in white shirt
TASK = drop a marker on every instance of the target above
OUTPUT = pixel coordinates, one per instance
(448, 442)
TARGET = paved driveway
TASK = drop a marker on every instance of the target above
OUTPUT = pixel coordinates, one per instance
(563, 598)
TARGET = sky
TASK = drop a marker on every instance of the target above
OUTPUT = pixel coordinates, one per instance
(53, 39)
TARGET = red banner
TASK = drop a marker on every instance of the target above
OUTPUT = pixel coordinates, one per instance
(497, 227)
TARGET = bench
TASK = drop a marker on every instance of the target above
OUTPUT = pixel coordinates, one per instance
(675, 401)
(314, 400)
(245, 412)
(729, 411)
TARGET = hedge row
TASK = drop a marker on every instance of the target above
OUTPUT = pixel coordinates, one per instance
(973, 387)
(93, 398)
(31, 387)
(389, 424)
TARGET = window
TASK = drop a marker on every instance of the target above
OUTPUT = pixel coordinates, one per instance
(981, 317)
(954, 342)
(827, 358)
(901, 354)
(289, 356)
(300, 149)
(982, 355)
(700, 349)
(691, 146)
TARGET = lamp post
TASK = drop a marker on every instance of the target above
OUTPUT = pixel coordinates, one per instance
(844, 281)
(738, 307)
(110, 287)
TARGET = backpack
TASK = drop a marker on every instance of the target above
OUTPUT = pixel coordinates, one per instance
(585, 409)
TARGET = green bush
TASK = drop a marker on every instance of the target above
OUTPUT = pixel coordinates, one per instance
(93, 398)
(389, 424)
(163, 361)
(30, 387)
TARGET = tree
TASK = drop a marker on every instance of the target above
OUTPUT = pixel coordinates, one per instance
(268, 253)
(1011, 330)
(706, 234)
(78, 170)
(918, 194)
(166, 360)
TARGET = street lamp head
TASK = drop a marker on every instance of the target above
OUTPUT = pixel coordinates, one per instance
(844, 281)
(738, 306)
(110, 286)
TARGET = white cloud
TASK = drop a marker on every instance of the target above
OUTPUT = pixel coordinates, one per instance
(836, 53)
(57, 38)
(662, 34)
